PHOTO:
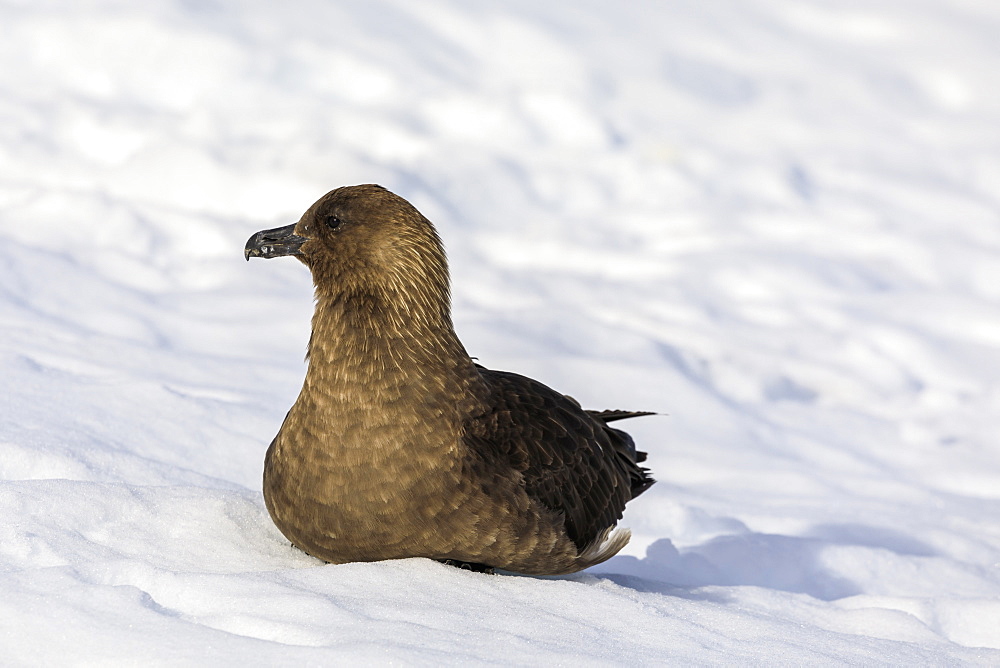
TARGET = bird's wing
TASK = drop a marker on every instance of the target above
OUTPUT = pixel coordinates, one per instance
(570, 460)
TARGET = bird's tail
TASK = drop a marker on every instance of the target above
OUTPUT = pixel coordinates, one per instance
(629, 457)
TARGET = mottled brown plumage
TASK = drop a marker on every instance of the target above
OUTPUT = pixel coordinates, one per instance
(399, 445)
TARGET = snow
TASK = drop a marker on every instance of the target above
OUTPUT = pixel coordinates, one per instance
(776, 221)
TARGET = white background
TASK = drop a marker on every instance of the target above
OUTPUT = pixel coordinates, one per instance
(776, 221)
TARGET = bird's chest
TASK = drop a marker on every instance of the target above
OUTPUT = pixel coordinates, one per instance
(362, 487)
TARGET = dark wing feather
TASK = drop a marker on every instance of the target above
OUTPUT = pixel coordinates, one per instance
(570, 460)
(611, 416)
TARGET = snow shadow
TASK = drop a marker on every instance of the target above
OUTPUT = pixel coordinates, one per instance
(785, 563)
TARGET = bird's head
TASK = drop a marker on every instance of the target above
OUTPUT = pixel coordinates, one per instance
(362, 238)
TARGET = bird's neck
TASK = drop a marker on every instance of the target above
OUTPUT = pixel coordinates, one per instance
(372, 347)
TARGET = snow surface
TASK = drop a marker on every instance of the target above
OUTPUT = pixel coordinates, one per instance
(777, 221)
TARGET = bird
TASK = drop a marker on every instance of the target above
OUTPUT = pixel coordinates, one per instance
(401, 445)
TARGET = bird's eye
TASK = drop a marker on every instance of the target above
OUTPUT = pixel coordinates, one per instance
(332, 221)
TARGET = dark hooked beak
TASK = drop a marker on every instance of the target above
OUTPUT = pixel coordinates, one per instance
(274, 243)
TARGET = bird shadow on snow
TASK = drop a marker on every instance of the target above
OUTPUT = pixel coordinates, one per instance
(784, 563)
